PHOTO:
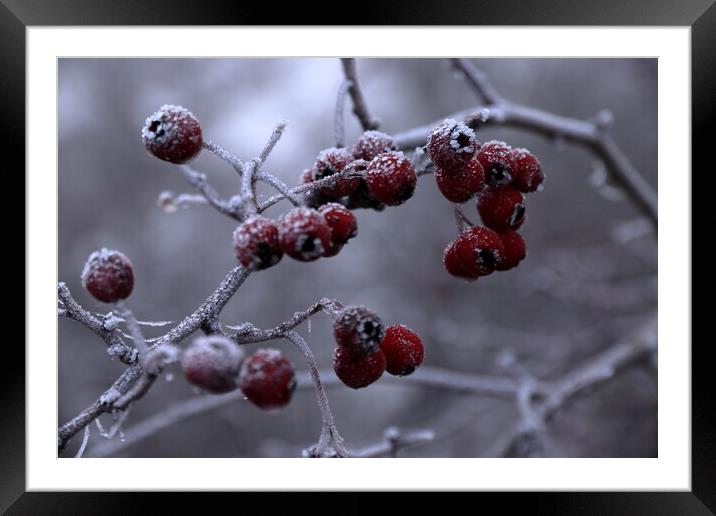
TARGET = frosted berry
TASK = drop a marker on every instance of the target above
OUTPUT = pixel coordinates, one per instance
(494, 156)
(515, 250)
(477, 251)
(356, 371)
(267, 379)
(173, 134)
(212, 363)
(403, 350)
(330, 162)
(256, 243)
(313, 198)
(372, 143)
(462, 185)
(304, 234)
(391, 178)
(527, 173)
(501, 208)
(108, 276)
(451, 145)
(358, 330)
(342, 223)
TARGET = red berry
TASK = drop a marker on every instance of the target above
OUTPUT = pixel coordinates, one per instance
(362, 198)
(357, 371)
(494, 157)
(108, 275)
(403, 350)
(372, 143)
(451, 145)
(304, 234)
(515, 250)
(477, 251)
(330, 162)
(391, 178)
(173, 134)
(527, 173)
(212, 363)
(268, 379)
(358, 330)
(342, 223)
(256, 243)
(501, 208)
(460, 186)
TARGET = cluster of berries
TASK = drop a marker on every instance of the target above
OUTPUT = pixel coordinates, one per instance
(373, 174)
(366, 348)
(217, 365)
(499, 176)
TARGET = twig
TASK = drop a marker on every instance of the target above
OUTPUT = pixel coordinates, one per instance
(330, 440)
(360, 108)
(248, 190)
(339, 130)
(590, 134)
(225, 155)
(393, 442)
(134, 330)
(171, 203)
(276, 134)
(279, 185)
(478, 80)
(106, 330)
(199, 181)
(83, 446)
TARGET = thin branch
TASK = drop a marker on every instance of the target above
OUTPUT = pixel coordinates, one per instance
(590, 134)
(199, 181)
(279, 185)
(394, 441)
(339, 130)
(330, 440)
(477, 79)
(360, 108)
(171, 202)
(248, 189)
(83, 446)
(276, 134)
(133, 326)
(225, 155)
(106, 330)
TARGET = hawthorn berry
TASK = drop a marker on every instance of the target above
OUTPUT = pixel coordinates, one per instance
(304, 234)
(515, 250)
(314, 197)
(358, 371)
(451, 145)
(330, 162)
(494, 156)
(403, 350)
(372, 143)
(172, 134)
(527, 173)
(256, 243)
(362, 198)
(501, 208)
(460, 186)
(391, 178)
(358, 330)
(212, 363)
(267, 379)
(477, 251)
(108, 276)
(342, 223)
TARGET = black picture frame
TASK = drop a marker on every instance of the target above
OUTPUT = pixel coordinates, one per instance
(700, 15)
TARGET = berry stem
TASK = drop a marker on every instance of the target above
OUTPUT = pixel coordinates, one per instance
(199, 181)
(330, 437)
(276, 134)
(133, 326)
(225, 155)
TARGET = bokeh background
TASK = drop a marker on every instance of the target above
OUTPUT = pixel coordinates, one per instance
(588, 280)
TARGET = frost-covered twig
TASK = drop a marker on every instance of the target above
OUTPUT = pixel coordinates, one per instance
(133, 326)
(199, 181)
(171, 202)
(360, 108)
(276, 134)
(107, 330)
(524, 439)
(591, 134)
(225, 155)
(478, 80)
(393, 441)
(339, 130)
